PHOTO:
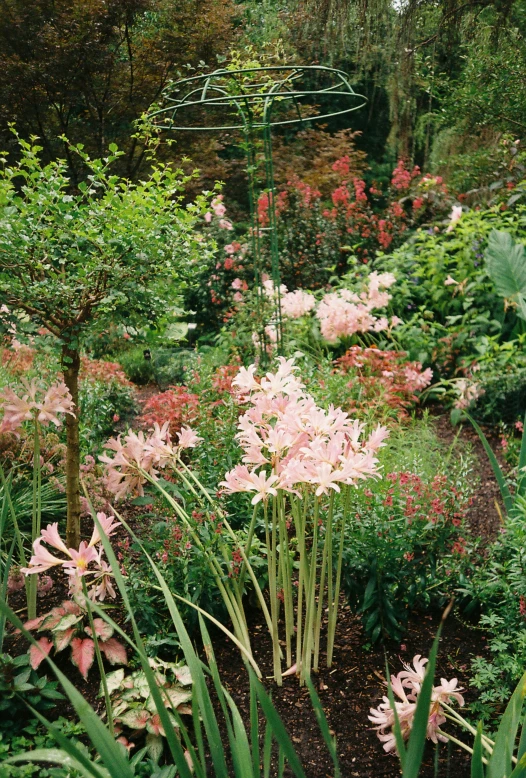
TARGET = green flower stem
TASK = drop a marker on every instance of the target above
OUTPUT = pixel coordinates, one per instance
(18, 534)
(300, 534)
(455, 716)
(35, 518)
(107, 700)
(326, 565)
(237, 618)
(459, 743)
(248, 546)
(244, 553)
(334, 600)
(271, 567)
(286, 576)
(310, 603)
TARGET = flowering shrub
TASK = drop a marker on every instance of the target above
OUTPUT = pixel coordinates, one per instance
(101, 370)
(346, 311)
(385, 378)
(176, 406)
(314, 237)
(408, 545)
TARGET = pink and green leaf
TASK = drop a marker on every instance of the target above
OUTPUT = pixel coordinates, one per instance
(37, 653)
(114, 651)
(82, 654)
(63, 639)
(102, 629)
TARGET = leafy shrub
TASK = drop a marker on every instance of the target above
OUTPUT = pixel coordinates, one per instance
(20, 686)
(407, 544)
(102, 404)
(384, 378)
(497, 588)
(176, 405)
(137, 368)
(444, 288)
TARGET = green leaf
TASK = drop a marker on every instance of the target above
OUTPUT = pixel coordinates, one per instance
(500, 763)
(507, 499)
(477, 765)
(506, 265)
(417, 738)
(324, 727)
(53, 756)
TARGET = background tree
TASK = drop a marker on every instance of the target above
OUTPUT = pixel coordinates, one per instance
(88, 70)
(71, 257)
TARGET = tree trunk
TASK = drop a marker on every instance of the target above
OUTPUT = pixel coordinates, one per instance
(70, 370)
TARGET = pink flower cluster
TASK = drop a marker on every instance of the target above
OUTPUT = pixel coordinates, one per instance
(140, 456)
(76, 563)
(296, 304)
(219, 210)
(468, 393)
(406, 686)
(343, 313)
(56, 399)
(288, 441)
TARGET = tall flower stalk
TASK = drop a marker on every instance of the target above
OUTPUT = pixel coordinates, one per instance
(303, 461)
(41, 407)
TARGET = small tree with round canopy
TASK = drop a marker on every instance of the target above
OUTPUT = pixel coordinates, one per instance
(72, 257)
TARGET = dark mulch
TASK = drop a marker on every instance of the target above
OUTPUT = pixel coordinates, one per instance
(350, 688)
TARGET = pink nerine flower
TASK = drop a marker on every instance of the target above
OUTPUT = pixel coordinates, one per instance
(188, 438)
(56, 400)
(293, 441)
(454, 216)
(76, 563)
(297, 304)
(406, 687)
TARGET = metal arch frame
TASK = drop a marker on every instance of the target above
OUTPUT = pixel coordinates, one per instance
(262, 94)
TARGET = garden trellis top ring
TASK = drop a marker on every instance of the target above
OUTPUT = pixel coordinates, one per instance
(254, 101)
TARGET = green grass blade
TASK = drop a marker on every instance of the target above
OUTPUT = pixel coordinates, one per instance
(171, 737)
(499, 764)
(520, 768)
(521, 481)
(53, 756)
(417, 738)
(400, 745)
(507, 499)
(200, 689)
(267, 750)
(477, 765)
(254, 730)
(324, 727)
(221, 694)
(278, 730)
(522, 743)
